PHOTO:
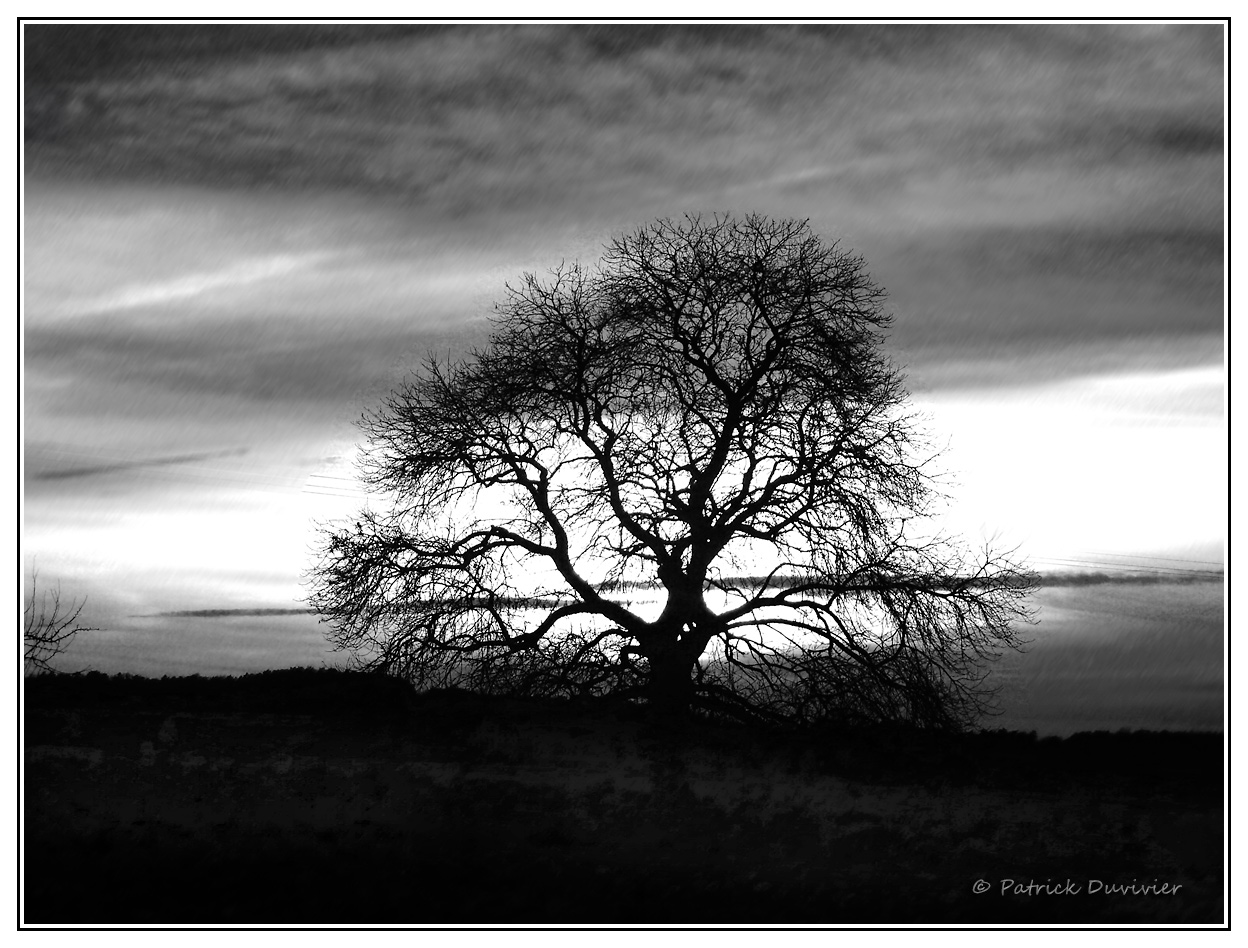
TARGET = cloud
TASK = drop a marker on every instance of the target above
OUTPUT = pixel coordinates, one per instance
(143, 464)
(240, 274)
(486, 118)
(1019, 287)
(1140, 576)
(227, 613)
(224, 370)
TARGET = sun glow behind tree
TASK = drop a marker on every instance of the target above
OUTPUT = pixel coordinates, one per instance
(712, 391)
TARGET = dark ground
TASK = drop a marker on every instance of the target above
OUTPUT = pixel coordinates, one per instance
(311, 797)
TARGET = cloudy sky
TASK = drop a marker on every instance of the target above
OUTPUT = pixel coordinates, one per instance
(238, 237)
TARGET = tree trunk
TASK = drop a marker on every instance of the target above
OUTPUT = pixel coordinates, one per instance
(671, 683)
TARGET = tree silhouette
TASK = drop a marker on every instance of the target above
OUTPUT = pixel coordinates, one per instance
(707, 413)
(48, 629)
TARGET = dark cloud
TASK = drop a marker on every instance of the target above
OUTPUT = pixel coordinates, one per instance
(1186, 261)
(995, 296)
(91, 470)
(1081, 138)
(1187, 136)
(292, 360)
(479, 118)
(1139, 577)
(228, 613)
(1051, 286)
(60, 52)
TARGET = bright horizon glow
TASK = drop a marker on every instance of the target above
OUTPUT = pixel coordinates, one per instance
(1090, 464)
(218, 541)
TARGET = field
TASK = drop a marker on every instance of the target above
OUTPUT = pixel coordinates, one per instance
(322, 797)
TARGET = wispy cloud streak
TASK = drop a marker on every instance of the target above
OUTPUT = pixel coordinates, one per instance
(241, 274)
(98, 469)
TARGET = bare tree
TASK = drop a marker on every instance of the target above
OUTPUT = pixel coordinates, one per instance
(48, 627)
(707, 413)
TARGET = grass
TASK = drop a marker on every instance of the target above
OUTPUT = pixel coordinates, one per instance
(325, 797)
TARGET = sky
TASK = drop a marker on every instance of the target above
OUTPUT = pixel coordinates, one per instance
(238, 238)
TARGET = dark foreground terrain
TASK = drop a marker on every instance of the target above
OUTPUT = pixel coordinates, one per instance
(324, 797)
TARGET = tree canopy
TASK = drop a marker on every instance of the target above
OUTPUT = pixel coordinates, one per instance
(687, 476)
